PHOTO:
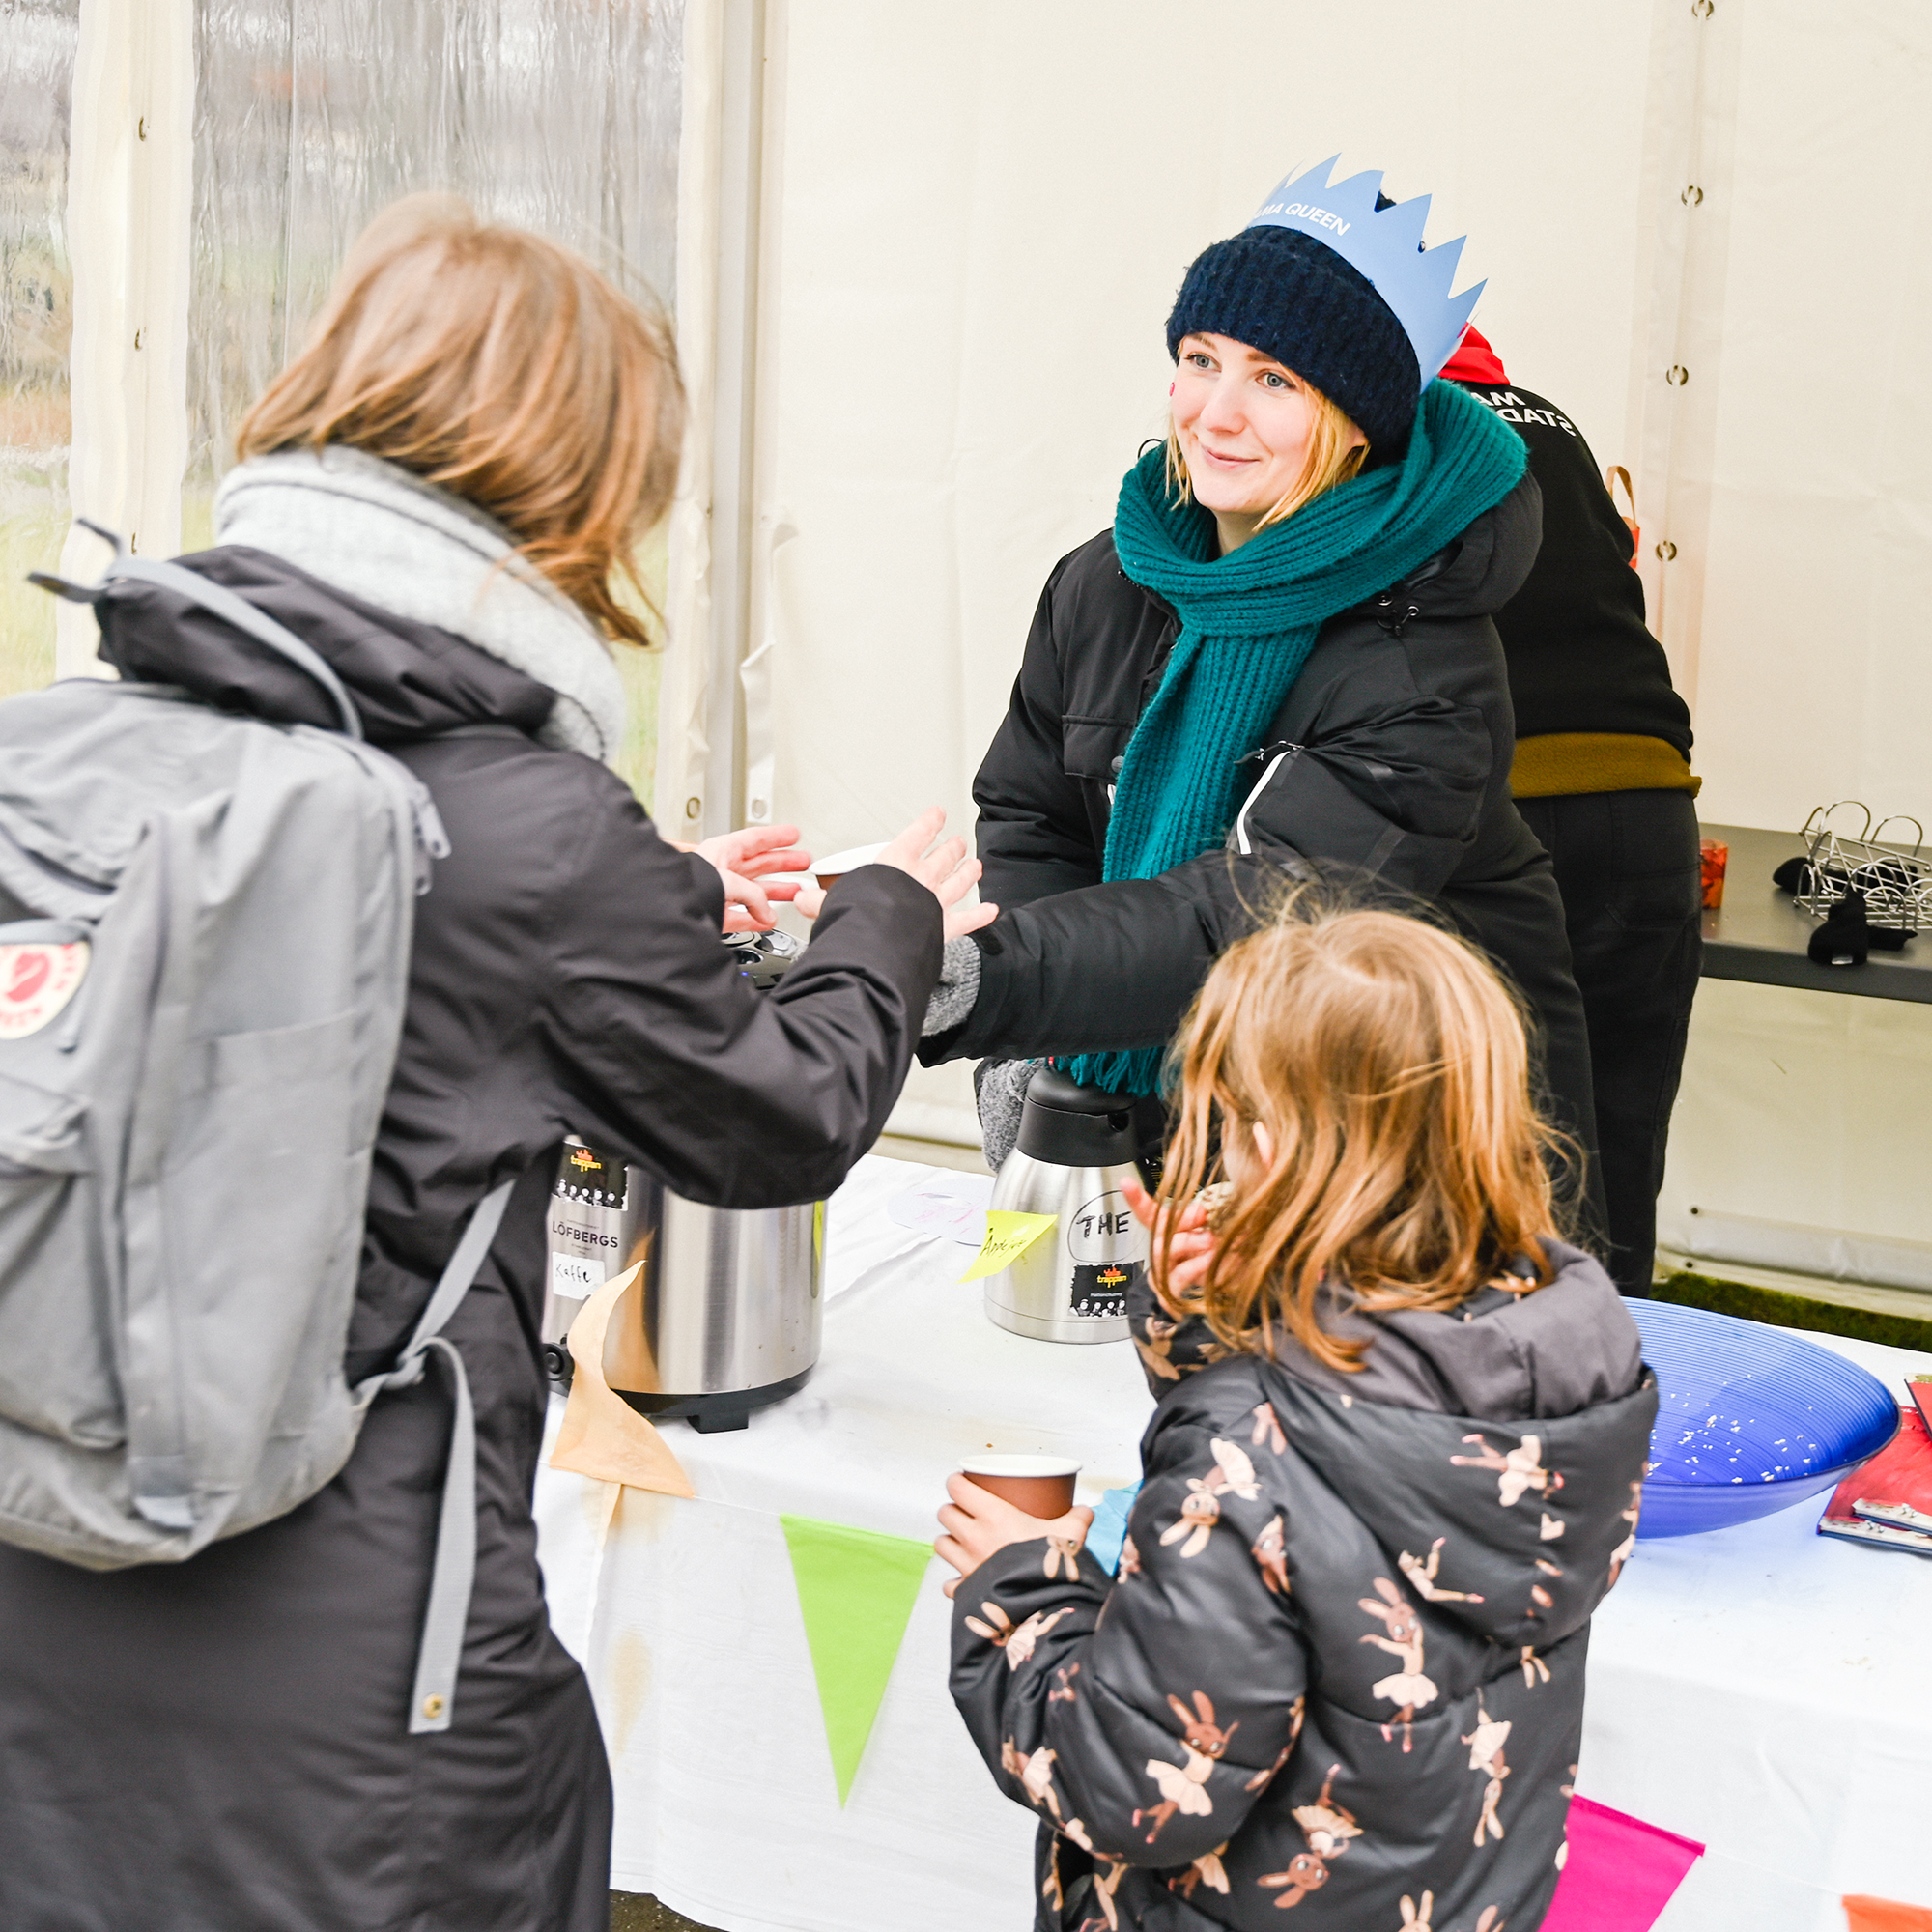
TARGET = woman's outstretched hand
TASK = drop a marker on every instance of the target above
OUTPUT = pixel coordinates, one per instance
(976, 1522)
(945, 871)
(745, 857)
(1193, 1246)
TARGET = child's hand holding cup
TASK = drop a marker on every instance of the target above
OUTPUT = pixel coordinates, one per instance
(1003, 1499)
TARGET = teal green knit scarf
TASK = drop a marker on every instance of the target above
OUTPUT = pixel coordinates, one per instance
(1248, 621)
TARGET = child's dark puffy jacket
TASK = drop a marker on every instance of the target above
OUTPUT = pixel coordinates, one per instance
(1342, 1667)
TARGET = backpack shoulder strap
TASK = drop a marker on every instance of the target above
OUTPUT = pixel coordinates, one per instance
(440, 1651)
(452, 1285)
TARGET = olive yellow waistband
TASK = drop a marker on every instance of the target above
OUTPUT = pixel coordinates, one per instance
(1561, 764)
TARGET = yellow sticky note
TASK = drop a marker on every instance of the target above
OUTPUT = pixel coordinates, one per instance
(1007, 1237)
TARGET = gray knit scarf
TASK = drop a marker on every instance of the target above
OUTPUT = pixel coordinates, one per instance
(375, 531)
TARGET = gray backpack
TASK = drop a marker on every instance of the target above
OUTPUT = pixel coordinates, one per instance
(204, 925)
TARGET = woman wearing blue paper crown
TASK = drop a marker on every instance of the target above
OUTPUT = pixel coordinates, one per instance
(1279, 661)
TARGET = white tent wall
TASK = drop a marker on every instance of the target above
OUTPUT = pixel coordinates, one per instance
(1808, 659)
(127, 224)
(1705, 226)
(987, 212)
(979, 222)
(1813, 679)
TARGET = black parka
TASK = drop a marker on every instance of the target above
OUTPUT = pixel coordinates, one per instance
(1580, 656)
(222, 1743)
(1388, 763)
(1341, 1664)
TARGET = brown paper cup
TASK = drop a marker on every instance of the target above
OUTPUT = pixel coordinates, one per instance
(1041, 1485)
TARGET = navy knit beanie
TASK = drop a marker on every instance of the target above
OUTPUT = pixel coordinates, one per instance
(1289, 295)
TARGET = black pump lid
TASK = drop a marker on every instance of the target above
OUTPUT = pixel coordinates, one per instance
(1072, 1125)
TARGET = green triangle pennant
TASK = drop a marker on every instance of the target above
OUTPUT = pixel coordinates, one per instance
(856, 1589)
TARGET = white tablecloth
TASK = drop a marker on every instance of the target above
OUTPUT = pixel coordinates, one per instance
(1763, 1690)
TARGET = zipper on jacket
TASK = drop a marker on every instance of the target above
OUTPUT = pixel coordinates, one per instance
(432, 841)
(1276, 755)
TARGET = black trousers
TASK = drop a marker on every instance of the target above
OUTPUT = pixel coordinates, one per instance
(1627, 867)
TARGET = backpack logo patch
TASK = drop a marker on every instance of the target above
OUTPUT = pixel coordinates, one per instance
(36, 982)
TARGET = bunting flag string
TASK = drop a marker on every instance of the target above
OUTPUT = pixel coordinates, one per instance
(1885, 1914)
(856, 1589)
(1618, 1873)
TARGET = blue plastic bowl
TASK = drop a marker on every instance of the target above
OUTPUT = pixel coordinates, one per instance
(1749, 1419)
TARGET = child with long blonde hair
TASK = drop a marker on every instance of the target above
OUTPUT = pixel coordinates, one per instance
(1395, 1466)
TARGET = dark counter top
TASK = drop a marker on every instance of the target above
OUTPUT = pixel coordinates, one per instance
(1760, 934)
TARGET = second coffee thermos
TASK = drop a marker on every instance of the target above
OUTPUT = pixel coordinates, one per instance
(1075, 1149)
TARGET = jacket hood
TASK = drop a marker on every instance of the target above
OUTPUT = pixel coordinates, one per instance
(1513, 1425)
(1507, 1356)
(1540, 1517)
(406, 680)
(1480, 570)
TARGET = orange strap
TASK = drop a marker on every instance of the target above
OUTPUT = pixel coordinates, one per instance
(1614, 474)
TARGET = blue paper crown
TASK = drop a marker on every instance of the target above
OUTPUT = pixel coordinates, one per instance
(1385, 249)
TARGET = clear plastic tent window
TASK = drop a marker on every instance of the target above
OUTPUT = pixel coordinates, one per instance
(557, 115)
(36, 48)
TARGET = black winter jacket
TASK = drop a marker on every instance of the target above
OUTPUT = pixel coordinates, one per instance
(1342, 1666)
(566, 973)
(1581, 657)
(1389, 761)
(222, 1743)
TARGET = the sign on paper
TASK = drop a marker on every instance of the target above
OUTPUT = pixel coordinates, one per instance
(1009, 1236)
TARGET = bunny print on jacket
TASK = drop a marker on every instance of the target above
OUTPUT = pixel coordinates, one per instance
(1203, 1772)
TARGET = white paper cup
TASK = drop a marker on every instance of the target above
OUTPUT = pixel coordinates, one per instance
(1041, 1485)
(828, 871)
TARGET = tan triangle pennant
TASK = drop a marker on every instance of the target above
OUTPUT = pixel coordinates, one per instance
(601, 1434)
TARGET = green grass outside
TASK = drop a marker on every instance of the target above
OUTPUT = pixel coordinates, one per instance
(1792, 1311)
(632, 1911)
(30, 539)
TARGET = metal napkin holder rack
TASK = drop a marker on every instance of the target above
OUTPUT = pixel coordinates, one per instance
(1896, 885)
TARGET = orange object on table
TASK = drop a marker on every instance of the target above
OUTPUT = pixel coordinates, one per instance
(1715, 855)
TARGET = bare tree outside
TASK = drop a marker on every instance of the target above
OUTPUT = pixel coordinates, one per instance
(36, 48)
(557, 115)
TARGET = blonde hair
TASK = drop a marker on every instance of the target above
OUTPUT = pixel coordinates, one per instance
(1330, 460)
(507, 370)
(1390, 1070)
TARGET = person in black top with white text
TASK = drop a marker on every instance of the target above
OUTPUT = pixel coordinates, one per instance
(1603, 776)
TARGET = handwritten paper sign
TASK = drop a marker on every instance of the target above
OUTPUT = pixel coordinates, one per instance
(951, 1205)
(1009, 1237)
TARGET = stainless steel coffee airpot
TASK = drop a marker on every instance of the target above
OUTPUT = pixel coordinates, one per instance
(1075, 1148)
(727, 1314)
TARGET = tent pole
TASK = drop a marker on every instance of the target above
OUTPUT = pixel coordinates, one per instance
(128, 219)
(700, 744)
